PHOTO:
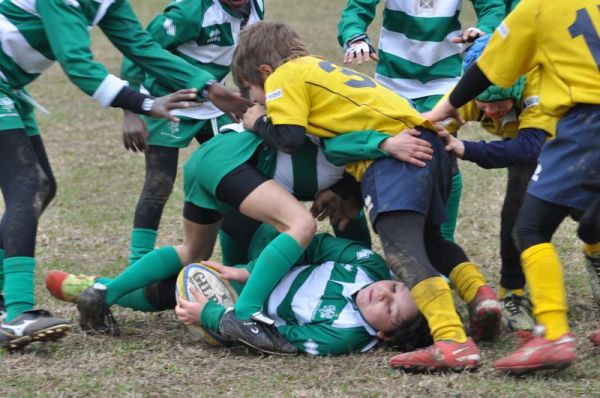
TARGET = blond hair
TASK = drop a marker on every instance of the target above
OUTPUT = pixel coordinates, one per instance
(264, 43)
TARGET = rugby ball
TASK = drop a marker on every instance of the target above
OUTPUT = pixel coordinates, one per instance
(207, 281)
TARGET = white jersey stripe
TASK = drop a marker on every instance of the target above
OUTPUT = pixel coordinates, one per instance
(27, 5)
(108, 90)
(279, 293)
(327, 173)
(424, 53)
(412, 88)
(425, 8)
(15, 46)
(307, 297)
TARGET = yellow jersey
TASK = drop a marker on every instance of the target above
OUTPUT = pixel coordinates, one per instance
(527, 114)
(329, 100)
(559, 36)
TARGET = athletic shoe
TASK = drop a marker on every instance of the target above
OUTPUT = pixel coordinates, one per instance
(95, 315)
(539, 353)
(259, 333)
(30, 326)
(592, 264)
(595, 337)
(517, 312)
(485, 313)
(441, 356)
(67, 287)
(2, 308)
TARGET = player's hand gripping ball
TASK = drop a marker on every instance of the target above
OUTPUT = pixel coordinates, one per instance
(208, 282)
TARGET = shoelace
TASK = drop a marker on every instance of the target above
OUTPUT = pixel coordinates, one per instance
(111, 322)
(513, 304)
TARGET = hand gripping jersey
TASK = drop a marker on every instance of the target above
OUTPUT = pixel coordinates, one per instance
(416, 57)
(562, 38)
(34, 34)
(329, 100)
(202, 32)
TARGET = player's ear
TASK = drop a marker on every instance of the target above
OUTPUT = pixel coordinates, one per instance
(383, 336)
(265, 70)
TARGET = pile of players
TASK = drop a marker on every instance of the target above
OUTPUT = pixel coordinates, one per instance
(318, 131)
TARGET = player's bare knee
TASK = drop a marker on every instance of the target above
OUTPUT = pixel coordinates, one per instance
(303, 228)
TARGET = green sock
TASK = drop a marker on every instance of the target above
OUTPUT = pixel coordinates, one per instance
(135, 300)
(142, 243)
(275, 260)
(452, 206)
(230, 251)
(19, 291)
(1, 270)
(154, 266)
(357, 230)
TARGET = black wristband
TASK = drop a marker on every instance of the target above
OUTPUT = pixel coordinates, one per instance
(130, 100)
(473, 83)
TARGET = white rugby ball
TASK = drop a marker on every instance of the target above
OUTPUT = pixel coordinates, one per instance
(207, 281)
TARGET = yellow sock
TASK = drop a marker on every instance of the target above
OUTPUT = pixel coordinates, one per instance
(502, 292)
(434, 299)
(543, 273)
(591, 249)
(467, 279)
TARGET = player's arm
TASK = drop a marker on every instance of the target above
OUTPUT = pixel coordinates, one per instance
(352, 30)
(178, 24)
(320, 339)
(489, 14)
(287, 138)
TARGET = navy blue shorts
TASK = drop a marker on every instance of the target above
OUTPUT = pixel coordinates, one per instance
(392, 185)
(569, 160)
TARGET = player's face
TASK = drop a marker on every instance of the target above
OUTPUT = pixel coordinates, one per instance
(496, 109)
(235, 3)
(257, 93)
(386, 305)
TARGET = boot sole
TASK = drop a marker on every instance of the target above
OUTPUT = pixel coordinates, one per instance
(530, 369)
(49, 334)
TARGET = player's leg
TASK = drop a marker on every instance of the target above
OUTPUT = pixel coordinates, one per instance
(200, 228)
(26, 189)
(450, 259)
(161, 171)
(235, 237)
(589, 233)
(516, 306)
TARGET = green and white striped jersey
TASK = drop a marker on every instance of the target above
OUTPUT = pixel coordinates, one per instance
(416, 57)
(314, 303)
(202, 32)
(35, 33)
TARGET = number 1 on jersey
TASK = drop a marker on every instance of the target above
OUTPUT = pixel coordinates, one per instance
(583, 27)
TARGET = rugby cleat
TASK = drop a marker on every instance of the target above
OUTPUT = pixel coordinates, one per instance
(67, 287)
(517, 312)
(95, 315)
(2, 308)
(443, 355)
(485, 313)
(259, 333)
(31, 326)
(538, 353)
(595, 337)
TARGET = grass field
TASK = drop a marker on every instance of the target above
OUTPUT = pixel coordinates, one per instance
(86, 230)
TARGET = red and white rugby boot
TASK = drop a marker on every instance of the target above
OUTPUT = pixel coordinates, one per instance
(485, 313)
(442, 355)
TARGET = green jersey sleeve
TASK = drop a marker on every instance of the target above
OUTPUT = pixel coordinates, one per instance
(323, 339)
(355, 19)
(489, 14)
(68, 35)
(353, 146)
(179, 23)
(125, 32)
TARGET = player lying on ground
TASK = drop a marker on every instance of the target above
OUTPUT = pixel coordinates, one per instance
(184, 28)
(515, 115)
(337, 300)
(561, 40)
(232, 170)
(34, 35)
(406, 203)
